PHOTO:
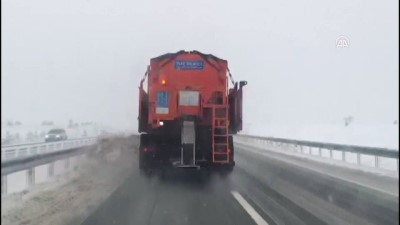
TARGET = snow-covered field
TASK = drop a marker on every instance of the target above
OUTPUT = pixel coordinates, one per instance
(69, 198)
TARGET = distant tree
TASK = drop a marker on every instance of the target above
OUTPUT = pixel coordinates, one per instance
(9, 123)
(85, 124)
(47, 123)
(70, 124)
(18, 123)
(42, 134)
(396, 122)
(29, 136)
(348, 120)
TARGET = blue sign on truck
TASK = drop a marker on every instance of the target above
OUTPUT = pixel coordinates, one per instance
(162, 105)
(162, 99)
(189, 64)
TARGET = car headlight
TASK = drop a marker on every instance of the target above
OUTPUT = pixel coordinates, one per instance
(58, 136)
(46, 136)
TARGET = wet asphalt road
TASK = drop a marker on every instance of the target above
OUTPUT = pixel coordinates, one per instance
(278, 192)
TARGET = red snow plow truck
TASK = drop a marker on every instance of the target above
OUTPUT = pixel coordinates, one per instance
(188, 113)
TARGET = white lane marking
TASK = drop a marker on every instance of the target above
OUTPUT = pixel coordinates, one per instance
(250, 210)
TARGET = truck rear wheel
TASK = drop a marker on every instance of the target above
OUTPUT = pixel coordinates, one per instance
(231, 156)
(143, 148)
(142, 163)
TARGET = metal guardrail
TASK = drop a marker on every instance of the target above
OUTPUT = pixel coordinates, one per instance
(29, 163)
(377, 153)
(13, 152)
(6, 142)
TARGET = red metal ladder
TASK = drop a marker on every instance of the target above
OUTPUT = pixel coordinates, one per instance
(220, 134)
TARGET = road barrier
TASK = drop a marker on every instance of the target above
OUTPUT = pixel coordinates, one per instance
(16, 152)
(29, 160)
(301, 147)
(27, 157)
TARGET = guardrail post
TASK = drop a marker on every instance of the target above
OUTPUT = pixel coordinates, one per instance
(377, 162)
(301, 149)
(30, 174)
(358, 159)
(330, 153)
(51, 169)
(343, 156)
(66, 165)
(320, 152)
(4, 185)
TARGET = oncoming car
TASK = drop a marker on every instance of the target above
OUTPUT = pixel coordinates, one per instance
(56, 135)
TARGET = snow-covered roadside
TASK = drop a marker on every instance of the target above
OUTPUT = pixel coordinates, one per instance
(386, 182)
(285, 150)
(385, 135)
(69, 198)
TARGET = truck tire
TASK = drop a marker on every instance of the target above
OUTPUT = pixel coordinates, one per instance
(143, 161)
(232, 148)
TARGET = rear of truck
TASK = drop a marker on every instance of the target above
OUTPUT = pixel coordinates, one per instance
(188, 114)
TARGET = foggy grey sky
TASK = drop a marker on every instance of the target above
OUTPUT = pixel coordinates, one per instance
(83, 60)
